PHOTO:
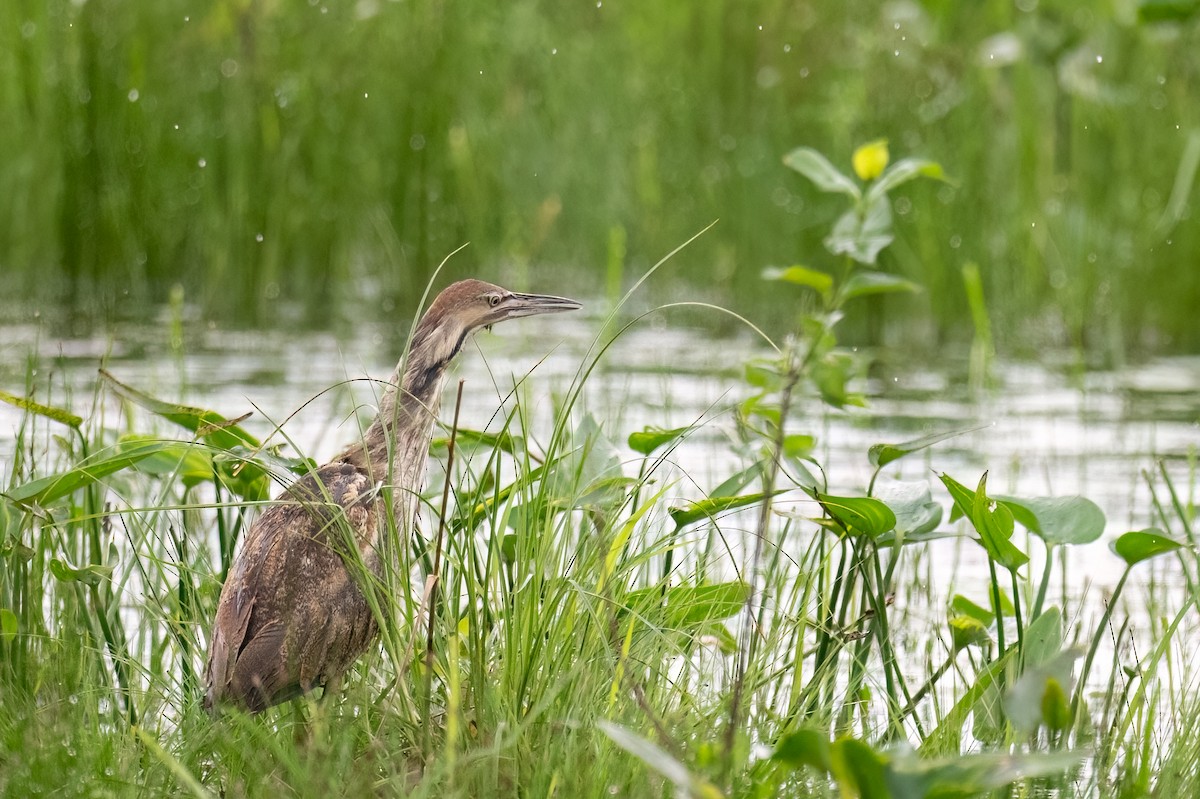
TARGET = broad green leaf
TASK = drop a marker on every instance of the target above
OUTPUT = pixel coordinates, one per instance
(962, 606)
(8, 623)
(967, 631)
(685, 606)
(824, 175)
(89, 575)
(651, 438)
(863, 282)
(973, 775)
(737, 481)
(902, 172)
(711, 507)
(883, 454)
(1024, 700)
(862, 233)
(45, 490)
(864, 514)
(718, 635)
(991, 520)
(804, 748)
(208, 425)
(916, 512)
(508, 548)
(801, 276)
(660, 761)
(908, 539)
(1058, 520)
(831, 374)
(1143, 544)
(1043, 637)
(187, 462)
(49, 411)
(856, 765)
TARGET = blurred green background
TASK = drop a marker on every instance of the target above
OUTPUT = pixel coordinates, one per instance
(304, 160)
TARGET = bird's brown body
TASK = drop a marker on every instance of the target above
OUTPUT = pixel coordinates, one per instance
(292, 614)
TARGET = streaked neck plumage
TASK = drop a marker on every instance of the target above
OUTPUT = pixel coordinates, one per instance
(395, 447)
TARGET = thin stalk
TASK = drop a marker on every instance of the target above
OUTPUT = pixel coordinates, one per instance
(437, 566)
(1091, 655)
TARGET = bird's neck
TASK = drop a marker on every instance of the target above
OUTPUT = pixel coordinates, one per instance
(394, 449)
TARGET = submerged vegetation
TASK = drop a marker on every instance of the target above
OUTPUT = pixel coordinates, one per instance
(603, 626)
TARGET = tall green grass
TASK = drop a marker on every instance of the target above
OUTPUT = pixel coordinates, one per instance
(325, 156)
(602, 628)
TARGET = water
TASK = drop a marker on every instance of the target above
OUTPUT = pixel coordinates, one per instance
(1049, 431)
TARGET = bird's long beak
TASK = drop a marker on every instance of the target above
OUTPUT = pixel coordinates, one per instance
(518, 305)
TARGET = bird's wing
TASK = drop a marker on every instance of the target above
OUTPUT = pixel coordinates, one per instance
(289, 595)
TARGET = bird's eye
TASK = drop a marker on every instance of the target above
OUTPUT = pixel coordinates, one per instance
(493, 300)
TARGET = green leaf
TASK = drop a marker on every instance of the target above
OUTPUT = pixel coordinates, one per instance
(902, 172)
(858, 766)
(883, 454)
(1058, 520)
(864, 282)
(188, 462)
(1024, 701)
(916, 512)
(45, 490)
(89, 575)
(967, 631)
(1167, 10)
(1043, 637)
(862, 233)
(8, 624)
(804, 748)
(711, 507)
(592, 462)
(864, 514)
(801, 276)
(962, 606)
(824, 175)
(208, 425)
(651, 438)
(991, 520)
(831, 374)
(682, 607)
(1143, 544)
(479, 438)
(50, 412)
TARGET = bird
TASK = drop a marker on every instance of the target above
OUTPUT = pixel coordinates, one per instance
(292, 615)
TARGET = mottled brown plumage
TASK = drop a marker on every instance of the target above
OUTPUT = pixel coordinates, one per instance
(292, 615)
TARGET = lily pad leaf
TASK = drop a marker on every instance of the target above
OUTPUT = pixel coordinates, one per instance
(1058, 520)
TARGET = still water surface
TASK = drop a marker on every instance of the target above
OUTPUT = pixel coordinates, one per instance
(1049, 431)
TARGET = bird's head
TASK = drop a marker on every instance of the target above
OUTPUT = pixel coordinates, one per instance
(468, 305)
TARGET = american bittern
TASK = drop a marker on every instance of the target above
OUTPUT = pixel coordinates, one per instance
(292, 616)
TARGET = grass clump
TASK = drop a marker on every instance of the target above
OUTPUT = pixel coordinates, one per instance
(596, 633)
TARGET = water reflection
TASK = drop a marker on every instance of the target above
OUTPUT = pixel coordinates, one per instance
(1050, 432)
